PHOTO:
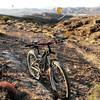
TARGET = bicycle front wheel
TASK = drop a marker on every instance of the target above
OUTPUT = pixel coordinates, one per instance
(59, 80)
(33, 64)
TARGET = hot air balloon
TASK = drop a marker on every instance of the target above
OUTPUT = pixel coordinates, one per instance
(59, 10)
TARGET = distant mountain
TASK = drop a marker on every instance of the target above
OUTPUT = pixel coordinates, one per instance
(47, 18)
(66, 11)
(20, 12)
(82, 10)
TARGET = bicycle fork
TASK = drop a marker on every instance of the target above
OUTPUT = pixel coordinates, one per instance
(52, 82)
(52, 79)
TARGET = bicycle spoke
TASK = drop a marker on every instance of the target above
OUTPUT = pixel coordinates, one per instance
(33, 64)
(35, 69)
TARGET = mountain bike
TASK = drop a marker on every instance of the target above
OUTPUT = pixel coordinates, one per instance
(41, 62)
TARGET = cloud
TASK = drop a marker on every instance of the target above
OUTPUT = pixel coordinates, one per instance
(48, 3)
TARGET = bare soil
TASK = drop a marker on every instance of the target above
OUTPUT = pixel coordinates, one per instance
(79, 55)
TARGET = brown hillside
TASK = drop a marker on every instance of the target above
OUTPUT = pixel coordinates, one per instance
(79, 55)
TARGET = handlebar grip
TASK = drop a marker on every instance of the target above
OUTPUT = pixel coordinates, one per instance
(52, 52)
(65, 38)
(28, 45)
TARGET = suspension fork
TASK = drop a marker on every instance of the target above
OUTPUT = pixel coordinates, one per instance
(51, 77)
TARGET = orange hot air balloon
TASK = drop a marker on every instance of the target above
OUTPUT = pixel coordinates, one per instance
(59, 10)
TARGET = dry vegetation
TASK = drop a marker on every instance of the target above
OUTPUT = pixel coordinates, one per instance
(80, 56)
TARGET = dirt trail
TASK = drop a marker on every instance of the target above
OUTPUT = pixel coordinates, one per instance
(14, 68)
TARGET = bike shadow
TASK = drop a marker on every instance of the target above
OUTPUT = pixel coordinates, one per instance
(44, 80)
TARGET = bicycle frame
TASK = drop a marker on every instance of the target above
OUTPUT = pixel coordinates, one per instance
(42, 63)
(45, 58)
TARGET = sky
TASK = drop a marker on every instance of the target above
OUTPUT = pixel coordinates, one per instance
(11, 4)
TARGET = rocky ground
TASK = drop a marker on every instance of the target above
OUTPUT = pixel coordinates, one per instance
(80, 55)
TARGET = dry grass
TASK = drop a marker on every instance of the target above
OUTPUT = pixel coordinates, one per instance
(94, 93)
(92, 58)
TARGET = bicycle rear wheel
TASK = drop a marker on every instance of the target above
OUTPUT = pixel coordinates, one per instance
(59, 80)
(33, 64)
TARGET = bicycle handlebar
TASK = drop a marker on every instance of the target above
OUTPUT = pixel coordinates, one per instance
(36, 44)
